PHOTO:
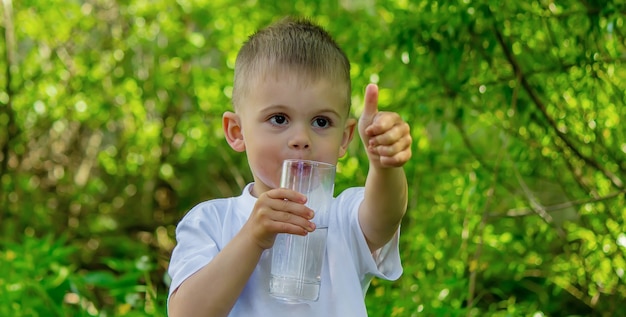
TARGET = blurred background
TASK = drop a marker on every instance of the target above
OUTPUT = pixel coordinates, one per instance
(110, 130)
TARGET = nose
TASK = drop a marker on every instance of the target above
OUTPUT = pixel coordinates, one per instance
(300, 139)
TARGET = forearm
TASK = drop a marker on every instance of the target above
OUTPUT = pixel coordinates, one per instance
(384, 204)
(213, 290)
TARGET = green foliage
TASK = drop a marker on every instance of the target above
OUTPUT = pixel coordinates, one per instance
(35, 277)
(110, 130)
(39, 278)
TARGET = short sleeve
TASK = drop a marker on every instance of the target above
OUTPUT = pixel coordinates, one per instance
(197, 244)
(383, 263)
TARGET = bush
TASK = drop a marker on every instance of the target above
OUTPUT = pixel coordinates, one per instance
(39, 277)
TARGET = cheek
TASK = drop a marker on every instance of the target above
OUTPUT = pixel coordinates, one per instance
(270, 174)
(264, 157)
(264, 147)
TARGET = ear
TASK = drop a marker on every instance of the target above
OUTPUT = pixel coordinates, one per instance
(231, 123)
(348, 133)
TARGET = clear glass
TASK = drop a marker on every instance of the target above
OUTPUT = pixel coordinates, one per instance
(297, 260)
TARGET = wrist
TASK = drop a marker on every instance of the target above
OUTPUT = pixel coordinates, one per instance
(251, 240)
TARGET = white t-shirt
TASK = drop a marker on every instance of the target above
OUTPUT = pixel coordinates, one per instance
(347, 271)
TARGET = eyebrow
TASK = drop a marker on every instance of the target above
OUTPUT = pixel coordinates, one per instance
(279, 107)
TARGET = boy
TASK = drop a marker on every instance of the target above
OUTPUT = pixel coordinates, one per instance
(291, 99)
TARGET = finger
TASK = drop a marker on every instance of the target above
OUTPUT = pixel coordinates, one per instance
(398, 160)
(283, 200)
(296, 209)
(370, 107)
(292, 214)
(286, 194)
(288, 201)
(282, 216)
(292, 219)
(383, 121)
(291, 229)
(391, 135)
(286, 227)
(390, 150)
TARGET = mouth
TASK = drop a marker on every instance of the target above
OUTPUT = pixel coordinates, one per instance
(301, 168)
(298, 164)
(296, 173)
(303, 175)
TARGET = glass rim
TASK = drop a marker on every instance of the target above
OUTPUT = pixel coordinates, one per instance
(317, 164)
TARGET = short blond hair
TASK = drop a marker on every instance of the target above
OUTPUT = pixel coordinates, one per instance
(294, 45)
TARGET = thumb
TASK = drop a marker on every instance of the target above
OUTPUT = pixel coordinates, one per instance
(370, 108)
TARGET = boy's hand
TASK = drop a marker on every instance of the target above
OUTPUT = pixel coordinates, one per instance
(277, 211)
(387, 138)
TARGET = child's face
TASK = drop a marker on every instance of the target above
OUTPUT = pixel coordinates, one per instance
(285, 118)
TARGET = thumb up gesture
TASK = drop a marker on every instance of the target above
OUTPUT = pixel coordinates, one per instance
(386, 137)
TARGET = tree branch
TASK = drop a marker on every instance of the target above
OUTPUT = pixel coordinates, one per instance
(616, 181)
(522, 212)
(473, 263)
(11, 130)
(9, 41)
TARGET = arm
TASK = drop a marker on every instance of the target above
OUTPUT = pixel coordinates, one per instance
(387, 139)
(214, 289)
(384, 205)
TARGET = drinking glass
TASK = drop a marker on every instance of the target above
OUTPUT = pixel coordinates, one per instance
(297, 260)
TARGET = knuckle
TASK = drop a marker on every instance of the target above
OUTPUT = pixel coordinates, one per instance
(283, 227)
(286, 217)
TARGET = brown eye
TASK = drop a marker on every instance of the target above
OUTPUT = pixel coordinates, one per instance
(321, 122)
(278, 119)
